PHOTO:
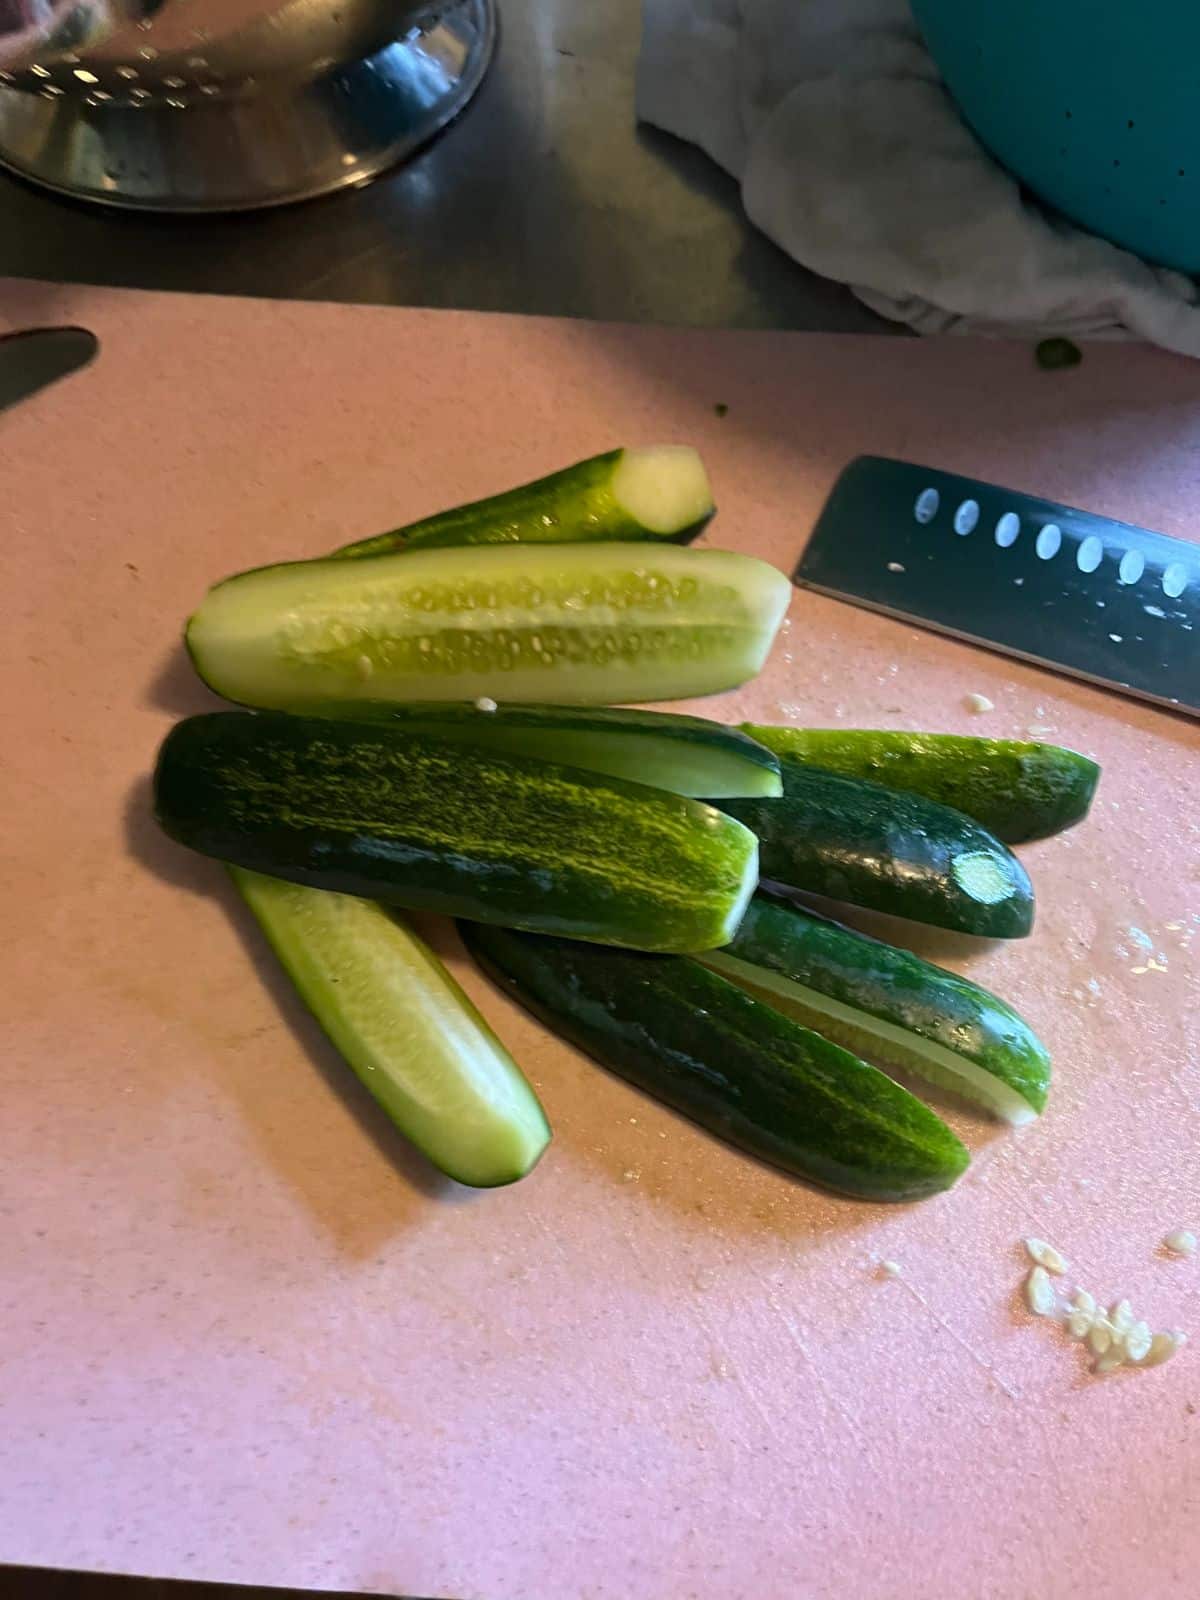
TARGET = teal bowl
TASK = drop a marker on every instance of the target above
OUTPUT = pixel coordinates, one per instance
(1092, 104)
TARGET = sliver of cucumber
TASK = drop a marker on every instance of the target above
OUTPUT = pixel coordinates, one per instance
(1018, 790)
(404, 1026)
(888, 1005)
(603, 624)
(653, 492)
(734, 1065)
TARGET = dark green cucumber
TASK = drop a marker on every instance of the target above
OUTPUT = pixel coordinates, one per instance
(1018, 791)
(418, 822)
(685, 755)
(887, 850)
(888, 1005)
(405, 1027)
(584, 624)
(657, 492)
(732, 1064)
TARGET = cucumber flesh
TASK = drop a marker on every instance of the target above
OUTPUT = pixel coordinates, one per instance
(419, 822)
(684, 755)
(888, 1005)
(887, 850)
(406, 1028)
(734, 1065)
(663, 490)
(656, 492)
(596, 624)
(1017, 790)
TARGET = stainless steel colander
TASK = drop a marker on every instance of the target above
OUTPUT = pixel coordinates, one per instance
(232, 104)
(32, 29)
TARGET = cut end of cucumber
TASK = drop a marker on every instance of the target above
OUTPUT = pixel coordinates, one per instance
(664, 487)
(983, 877)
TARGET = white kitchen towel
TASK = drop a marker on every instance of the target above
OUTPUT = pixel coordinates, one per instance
(852, 156)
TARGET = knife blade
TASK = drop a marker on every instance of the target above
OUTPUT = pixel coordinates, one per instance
(60, 1583)
(35, 357)
(1106, 601)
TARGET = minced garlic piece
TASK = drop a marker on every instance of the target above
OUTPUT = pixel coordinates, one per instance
(1162, 1347)
(1138, 1341)
(1045, 1255)
(1117, 1337)
(1100, 1337)
(1120, 1314)
(1039, 1292)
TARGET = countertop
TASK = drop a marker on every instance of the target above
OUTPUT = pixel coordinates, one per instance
(544, 197)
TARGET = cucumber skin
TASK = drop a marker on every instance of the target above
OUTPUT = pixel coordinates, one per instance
(1019, 791)
(897, 987)
(578, 501)
(732, 1064)
(882, 849)
(440, 827)
(489, 729)
(510, 1154)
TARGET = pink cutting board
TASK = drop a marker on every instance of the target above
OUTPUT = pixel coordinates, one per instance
(246, 1335)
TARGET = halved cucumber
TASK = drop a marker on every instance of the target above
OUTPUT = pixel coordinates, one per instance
(889, 851)
(574, 624)
(685, 755)
(656, 492)
(889, 1005)
(732, 1064)
(406, 1028)
(419, 822)
(1017, 790)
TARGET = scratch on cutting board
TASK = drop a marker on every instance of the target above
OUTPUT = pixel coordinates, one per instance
(747, 1388)
(797, 1339)
(731, 1370)
(959, 1340)
(553, 1235)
